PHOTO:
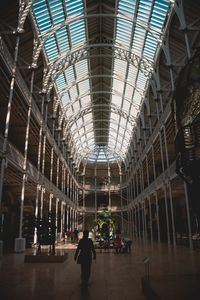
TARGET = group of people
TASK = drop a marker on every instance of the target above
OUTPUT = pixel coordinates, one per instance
(71, 236)
(122, 245)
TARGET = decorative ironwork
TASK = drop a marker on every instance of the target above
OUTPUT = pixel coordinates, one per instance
(75, 55)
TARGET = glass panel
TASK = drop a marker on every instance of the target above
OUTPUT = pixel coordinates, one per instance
(138, 26)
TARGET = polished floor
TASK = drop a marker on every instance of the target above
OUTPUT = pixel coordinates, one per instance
(114, 276)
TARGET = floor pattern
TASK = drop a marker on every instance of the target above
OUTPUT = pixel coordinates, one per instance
(114, 276)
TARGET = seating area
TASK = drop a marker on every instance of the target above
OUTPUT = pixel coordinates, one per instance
(101, 244)
(106, 246)
(183, 239)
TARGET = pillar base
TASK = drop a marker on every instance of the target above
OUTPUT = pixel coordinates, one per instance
(20, 245)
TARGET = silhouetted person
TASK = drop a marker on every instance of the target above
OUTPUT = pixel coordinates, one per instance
(85, 250)
(75, 235)
(118, 244)
(129, 244)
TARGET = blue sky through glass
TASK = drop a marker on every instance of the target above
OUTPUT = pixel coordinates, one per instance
(138, 29)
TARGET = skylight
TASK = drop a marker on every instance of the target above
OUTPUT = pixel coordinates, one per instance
(72, 88)
(63, 31)
(142, 40)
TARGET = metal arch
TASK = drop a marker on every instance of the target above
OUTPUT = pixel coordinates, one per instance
(113, 121)
(77, 54)
(115, 150)
(112, 152)
(88, 93)
(108, 104)
(56, 102)
(24, 9)
(145, 65)
(111, 136)
(96, 145)
(97, 129)
(120, 152)
(70, 104)
(142, 50)
(85, 16)
(80, 145)
(88, 77)
(109, 151)
(86, 153)
(89, 108)
(156, 34)
(83, 150)
(117, 154)
(106, 43)
(44, 37)
(74, 152)
(85, 157)
(71, 59)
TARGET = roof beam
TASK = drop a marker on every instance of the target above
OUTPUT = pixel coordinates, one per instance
(75, 55)
(113, 108)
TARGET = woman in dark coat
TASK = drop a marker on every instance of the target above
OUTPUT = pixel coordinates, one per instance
(84, 253)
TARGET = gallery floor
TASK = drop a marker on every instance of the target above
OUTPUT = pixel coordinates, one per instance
(174, 274)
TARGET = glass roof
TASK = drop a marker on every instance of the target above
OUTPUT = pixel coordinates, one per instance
(63, 31)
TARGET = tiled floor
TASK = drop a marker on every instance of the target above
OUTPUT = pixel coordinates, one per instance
(114, 276)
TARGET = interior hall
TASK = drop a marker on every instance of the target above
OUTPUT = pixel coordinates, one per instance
(100, 131)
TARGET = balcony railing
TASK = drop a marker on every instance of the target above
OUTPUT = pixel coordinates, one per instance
(91, 209)
(106, 188)
(17, 159)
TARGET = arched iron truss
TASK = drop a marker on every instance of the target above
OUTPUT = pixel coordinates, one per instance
(87, 152)
(111, 120)
(100, 89)
(75, 55)
(71, 103)
(45, 36)
(73, 143)
(91, 77)
(80, 153)
(152, 30)
(78, 149)
(96, 135)
(107, 107)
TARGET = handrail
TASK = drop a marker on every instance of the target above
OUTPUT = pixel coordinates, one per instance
(88, 187)
(164, 116)
(8, 60)
(99, 209)
(167, 175)
(16, 158)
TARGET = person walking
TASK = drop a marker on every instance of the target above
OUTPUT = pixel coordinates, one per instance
(76, 235)
(129, 244)
(83, 255)
(117, 244)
